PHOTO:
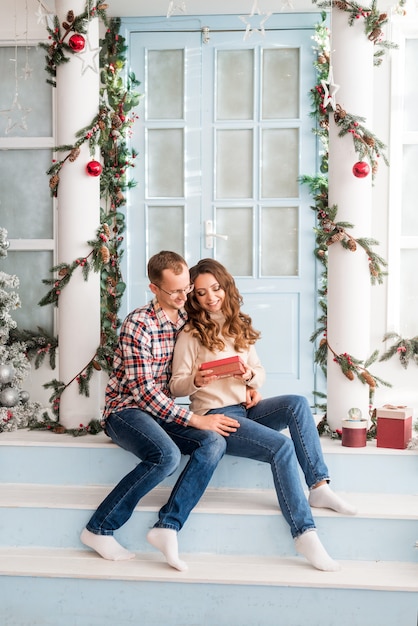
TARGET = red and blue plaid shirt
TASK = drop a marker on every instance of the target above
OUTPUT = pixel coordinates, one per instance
(142, 365)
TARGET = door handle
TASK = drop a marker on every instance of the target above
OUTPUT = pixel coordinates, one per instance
(209, 234)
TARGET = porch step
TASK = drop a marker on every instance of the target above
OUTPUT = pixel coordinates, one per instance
(44, 457)
(75, 588)
(209, 568)
(243, 568)
(225, 521)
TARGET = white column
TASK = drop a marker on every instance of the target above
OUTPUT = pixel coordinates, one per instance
(78, 209)
(349, 283)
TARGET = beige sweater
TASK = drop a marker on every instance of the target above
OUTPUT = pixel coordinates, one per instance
(189, 354)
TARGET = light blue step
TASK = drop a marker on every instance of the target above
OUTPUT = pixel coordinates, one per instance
(243, 570)
(48, 458)
(220, 591)
(224, 522)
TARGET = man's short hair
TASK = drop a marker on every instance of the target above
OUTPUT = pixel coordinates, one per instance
(164, 260)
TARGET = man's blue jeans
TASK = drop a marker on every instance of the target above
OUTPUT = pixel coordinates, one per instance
(159, 446)
(259, 438)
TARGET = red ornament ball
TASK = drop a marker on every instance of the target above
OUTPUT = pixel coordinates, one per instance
(77, 42)
(361, 169)
(94, 168)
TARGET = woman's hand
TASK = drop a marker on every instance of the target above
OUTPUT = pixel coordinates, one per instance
(253, 397)
(217, 422)
(246, 376)
(204, 378)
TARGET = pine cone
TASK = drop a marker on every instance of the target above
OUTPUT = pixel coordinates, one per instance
(339, 114)
(369, 141)
(368, 378)
(349, 374)
(105, 254)
(70, 16)
(74, 154)
(116, 121)
(101, 124)
(375, 34)
(53, 181)
(351, 245)
(337, 237)
(106, 229)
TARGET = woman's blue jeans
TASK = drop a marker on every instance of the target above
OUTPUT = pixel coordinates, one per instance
(259, 438)
(159, 446)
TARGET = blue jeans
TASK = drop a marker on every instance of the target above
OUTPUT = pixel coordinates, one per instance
(158, 445)
(259, 438)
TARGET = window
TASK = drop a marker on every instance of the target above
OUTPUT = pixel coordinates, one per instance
(26, 207)
(403, 220)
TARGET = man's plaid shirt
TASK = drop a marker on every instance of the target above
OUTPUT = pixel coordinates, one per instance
(142, 365)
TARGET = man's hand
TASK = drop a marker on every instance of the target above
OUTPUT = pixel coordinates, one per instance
(217, 422)
(252, 397)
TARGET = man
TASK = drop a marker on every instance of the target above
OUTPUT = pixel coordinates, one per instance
(141, 416)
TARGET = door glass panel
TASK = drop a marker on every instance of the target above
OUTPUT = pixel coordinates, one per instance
(280, 83)
(279, 233)
(410, 93)
(24, 64)
(165, 94)
(409, 190)
(279, 163)
(165, 163)
(235, 85)
(237, 252)
(408, 296)
(25, 209)
(26, 266)
(234, 164)
(165, 226)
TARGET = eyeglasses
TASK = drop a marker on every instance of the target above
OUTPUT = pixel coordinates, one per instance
(177, 292)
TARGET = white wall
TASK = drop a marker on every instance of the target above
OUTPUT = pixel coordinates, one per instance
(405, 389)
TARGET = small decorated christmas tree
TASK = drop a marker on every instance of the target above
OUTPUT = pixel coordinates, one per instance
(15, 409)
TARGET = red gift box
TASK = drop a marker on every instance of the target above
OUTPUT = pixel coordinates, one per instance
(225, 367)
(394, 426)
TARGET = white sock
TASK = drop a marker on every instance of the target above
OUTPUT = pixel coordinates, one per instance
(309, 545)
(106, 546)
(324, 498)
(165, 540)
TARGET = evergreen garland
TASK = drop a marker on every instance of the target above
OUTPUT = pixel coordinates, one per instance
(108, 131)
(405, 349)
(58, 49)
(328, 230)
(373, 21)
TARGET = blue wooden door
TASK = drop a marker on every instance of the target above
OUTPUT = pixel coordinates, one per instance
(223, 136)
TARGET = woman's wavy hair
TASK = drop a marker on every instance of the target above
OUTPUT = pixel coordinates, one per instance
(237, 324)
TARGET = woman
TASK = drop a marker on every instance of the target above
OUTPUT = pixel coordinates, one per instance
(217, 329)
